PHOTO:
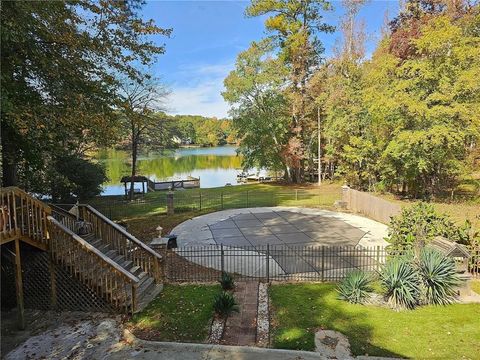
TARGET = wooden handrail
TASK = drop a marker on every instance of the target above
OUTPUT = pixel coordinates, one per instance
(23, 217)
(130, 277)
(19, 191)
(59, 209)
(123, 231)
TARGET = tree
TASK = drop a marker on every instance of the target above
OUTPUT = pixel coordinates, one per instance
(140, 99)
(337, 89)
(259, 107)
(294, 25)
(61, 64)
(425, 106)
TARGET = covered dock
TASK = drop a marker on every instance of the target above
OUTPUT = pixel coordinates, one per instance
(150, 185)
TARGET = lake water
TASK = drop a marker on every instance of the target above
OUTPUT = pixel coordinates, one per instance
(215, 166)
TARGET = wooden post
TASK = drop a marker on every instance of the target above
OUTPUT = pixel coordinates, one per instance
(134, 298)
(143, 187)
(19, 286)
(170, 203)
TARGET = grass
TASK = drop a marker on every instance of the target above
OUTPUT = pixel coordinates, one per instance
(180, 313)
(475, 286)
(449, 332)
(144, 214)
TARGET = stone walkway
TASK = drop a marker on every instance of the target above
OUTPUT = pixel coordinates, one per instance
(241, 327)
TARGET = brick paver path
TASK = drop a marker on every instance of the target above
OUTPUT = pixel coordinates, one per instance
(241, 328)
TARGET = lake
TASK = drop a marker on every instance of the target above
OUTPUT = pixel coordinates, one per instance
(215, 166)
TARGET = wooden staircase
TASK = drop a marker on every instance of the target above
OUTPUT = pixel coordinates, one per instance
(111, 262)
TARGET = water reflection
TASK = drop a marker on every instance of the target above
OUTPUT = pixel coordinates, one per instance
(215, 166)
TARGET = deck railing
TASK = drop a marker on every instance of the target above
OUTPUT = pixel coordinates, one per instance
(22, 216)
(123, 242)
(93, 268)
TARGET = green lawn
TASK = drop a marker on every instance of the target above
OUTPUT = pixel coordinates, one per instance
(214, 199)
(475, 286)
(450, 332)
(179, 313)
(145, 213)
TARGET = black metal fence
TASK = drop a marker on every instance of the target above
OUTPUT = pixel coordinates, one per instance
(272, 262)
(117, 208)
(280, 262)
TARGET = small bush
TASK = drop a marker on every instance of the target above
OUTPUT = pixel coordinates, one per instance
(226, 281)
(401, 282)
(422, 217)
(355, 287)
(225, 304)
(438, 276)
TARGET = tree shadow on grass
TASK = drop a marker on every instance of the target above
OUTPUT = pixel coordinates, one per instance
(299, 311)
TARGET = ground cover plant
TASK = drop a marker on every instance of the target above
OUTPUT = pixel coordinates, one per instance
(446, 332)
(179, 313)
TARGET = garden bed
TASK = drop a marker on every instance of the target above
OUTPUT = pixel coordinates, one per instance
(428, 332)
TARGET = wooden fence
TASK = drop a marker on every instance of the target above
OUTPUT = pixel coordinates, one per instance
(372, 206)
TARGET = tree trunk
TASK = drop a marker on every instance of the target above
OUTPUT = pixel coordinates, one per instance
(9, 156)
(134, 165)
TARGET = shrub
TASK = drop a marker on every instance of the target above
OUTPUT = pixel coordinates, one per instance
(226, 281)
(401, 282)
(224, 304)
(355, 287)
(438, 276)
(422, 217)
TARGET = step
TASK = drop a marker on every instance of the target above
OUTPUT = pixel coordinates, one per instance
(148, 296)
(135, 270)
(144, 286)
(89, 237)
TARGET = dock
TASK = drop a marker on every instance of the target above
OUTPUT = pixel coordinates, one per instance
(150, 185)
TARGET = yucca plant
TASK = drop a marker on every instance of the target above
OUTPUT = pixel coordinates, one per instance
(438, 276)
(401, 282)
(355, 287)
(225, 304)
(226, 281)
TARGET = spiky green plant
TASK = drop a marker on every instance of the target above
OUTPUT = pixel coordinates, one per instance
(355, 287)
(401, 282)
(226, 281)
(438, 276)
(225, 304)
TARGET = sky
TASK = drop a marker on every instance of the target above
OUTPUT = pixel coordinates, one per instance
(207, 37)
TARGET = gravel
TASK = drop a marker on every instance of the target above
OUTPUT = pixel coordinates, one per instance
(263, 318)
(216, 330)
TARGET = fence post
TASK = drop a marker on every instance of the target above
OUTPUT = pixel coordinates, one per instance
(170, 203)
(378, 257)
(323, 263)
(296, 194)
(268, 263)
(222, 199)
(222, 258)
